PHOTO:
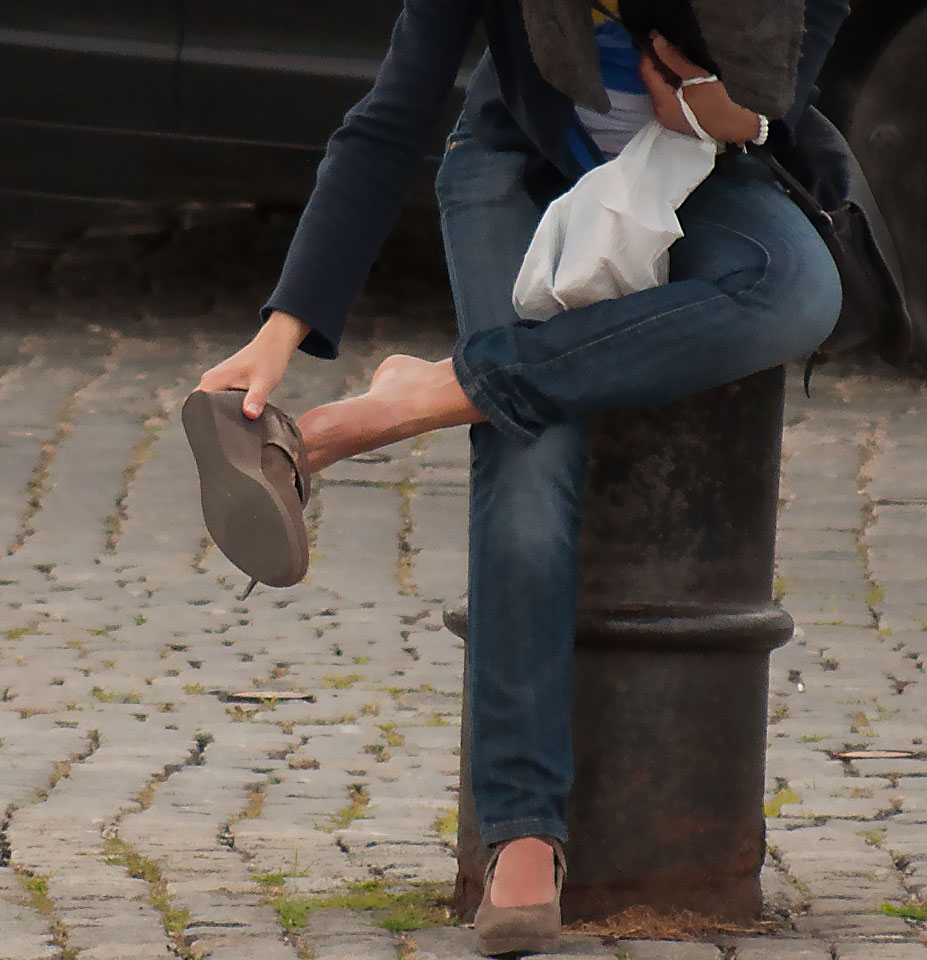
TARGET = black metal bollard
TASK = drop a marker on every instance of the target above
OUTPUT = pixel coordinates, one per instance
(675, 627)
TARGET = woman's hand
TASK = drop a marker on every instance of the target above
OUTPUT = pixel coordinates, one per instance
(258, 367)
(715, 111)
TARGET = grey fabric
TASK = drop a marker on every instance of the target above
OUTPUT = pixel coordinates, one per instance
(755, 43)
(562, 39)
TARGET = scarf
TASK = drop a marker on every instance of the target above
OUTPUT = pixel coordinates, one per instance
(754, 43)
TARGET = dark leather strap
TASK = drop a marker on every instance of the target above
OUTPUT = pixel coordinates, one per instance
(281, 431)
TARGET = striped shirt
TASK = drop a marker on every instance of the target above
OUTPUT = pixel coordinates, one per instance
(631, 108)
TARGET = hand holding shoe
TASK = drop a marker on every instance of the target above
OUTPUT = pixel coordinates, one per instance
(259, 366)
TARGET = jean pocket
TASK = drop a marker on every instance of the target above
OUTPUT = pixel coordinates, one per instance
(459, 134)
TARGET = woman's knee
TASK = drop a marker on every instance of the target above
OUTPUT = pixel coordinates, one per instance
(529, 495)
(801, 296)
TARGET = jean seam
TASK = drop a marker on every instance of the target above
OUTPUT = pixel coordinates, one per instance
(514, 367)
(451, 270)
(737, 233)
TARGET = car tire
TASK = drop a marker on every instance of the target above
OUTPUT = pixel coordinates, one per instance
(888, 134)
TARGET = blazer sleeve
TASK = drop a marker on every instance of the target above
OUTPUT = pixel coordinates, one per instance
(823, 19)
(368, 168)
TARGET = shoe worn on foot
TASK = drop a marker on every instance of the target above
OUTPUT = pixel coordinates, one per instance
(254, 483)
(532, 929)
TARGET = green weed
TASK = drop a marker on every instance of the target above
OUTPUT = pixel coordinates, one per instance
(910, 911)
(773, 808)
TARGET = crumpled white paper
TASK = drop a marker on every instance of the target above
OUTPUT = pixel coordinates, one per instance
(610, 234)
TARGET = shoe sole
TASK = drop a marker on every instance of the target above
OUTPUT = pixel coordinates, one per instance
(494, 947)
(244, 513)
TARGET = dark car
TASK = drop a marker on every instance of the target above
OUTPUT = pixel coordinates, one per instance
(234, 100)
(170, 101)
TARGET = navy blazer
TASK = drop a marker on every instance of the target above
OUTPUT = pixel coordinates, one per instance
(372, 159)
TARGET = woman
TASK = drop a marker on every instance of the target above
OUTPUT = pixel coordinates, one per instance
(752, 286)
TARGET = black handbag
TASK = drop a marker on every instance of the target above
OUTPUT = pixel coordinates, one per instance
(873, 310)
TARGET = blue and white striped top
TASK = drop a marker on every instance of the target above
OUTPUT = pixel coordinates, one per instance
(631, 107)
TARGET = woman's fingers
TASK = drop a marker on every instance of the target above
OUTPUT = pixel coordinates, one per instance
(666, 109)
(681, 65)
(716, 112)
(224, 376)
(256, 398)
(258, 388)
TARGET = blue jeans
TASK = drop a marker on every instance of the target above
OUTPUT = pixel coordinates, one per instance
(752, 286)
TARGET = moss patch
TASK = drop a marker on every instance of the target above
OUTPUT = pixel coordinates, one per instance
(446, 822)
(335, 681)
(910, 911)
(425, 906)
(773, 808)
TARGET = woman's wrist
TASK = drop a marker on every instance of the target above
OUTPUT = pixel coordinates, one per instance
(285, 330)
(747, 128)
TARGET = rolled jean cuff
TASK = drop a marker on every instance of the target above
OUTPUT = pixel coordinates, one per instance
(475, 389)
(517, 829)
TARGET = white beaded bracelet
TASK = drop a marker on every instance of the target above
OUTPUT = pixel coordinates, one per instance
(763, 135)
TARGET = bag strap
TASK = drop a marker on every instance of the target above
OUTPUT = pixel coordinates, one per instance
(809, 205)
(803, 197)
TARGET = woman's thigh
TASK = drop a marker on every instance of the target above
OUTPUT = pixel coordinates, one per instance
(748, 239)
(744, 237)
(488, 220)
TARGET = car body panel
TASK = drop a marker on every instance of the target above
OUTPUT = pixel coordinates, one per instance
(169, 101)
(94, 63)
(298, 66)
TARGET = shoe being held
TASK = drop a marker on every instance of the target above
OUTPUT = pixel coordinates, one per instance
(254, 484)
(531, 929)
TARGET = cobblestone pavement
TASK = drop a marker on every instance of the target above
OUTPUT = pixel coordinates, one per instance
(158, 792)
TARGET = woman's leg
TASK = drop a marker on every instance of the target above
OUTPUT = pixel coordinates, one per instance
(753, 287)
(524, 521)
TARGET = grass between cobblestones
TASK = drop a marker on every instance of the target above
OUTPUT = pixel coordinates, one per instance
(37, 888)
(446, 822)
(910, 911)
(112, 525)
(35, 488)
(118, 853)
(425, 906)
(359, 800)
(773, 808)
(334, 681)
(404, 575)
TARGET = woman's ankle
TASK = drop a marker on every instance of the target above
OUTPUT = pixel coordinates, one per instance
(407, 396)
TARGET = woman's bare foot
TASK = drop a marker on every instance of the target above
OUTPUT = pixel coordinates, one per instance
(407, 396)
(524, 874)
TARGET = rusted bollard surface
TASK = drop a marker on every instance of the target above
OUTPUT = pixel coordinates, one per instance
(675, 625)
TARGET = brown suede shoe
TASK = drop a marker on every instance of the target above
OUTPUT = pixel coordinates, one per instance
(254, 483)
(534, 929)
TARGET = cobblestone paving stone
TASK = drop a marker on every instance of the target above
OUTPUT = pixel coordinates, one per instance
(146, 810)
